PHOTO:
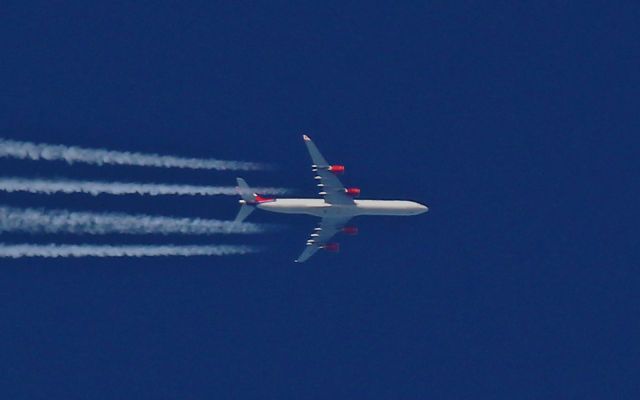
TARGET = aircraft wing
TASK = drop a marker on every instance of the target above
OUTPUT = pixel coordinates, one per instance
(328, 182)
(327, 228)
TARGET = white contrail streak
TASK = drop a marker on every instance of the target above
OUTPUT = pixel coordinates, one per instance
(119, 188)
(72, 154)
(86, 250)
(31, 220)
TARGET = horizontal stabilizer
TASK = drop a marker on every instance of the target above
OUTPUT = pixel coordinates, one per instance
(244, 191)
(245, 211)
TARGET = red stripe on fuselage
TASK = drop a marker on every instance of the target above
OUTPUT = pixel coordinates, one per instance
(259, 199)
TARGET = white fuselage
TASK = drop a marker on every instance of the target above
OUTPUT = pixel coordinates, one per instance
(319, 208)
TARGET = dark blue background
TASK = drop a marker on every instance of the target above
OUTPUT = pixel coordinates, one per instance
(515, 123)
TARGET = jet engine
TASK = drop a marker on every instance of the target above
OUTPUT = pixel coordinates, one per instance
(350, 230)
(353, 192)
(332, 247)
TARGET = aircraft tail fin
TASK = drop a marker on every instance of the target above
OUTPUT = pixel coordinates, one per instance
(248, 196)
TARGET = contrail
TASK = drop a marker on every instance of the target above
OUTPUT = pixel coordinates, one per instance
(87, 250)
(120, 188)
(31, 220)
(72, 154)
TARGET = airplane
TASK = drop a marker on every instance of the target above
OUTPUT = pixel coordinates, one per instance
(336, 207)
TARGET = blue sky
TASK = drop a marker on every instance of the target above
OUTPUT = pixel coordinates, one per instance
(515, 124)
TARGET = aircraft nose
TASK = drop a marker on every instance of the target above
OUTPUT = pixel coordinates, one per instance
(420, 208)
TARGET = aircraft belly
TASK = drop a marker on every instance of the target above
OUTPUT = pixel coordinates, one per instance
(295, 206)
(319, 208)
(296, 210)
(313, 207)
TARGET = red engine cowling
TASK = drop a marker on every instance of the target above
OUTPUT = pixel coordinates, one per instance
(350, 230)
(337, 169)
(332, 247)
(353, 192)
